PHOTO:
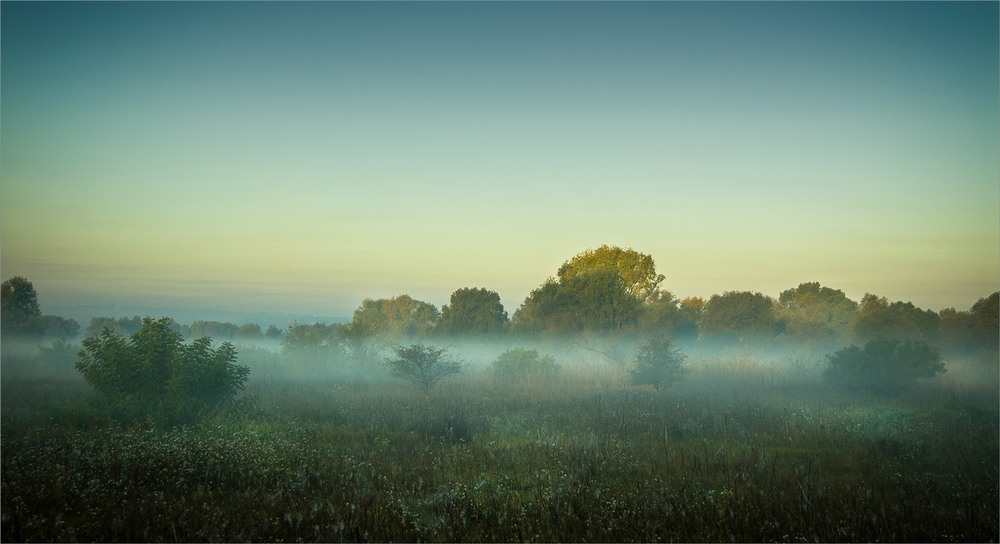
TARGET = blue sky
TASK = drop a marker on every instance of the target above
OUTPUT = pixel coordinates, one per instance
(299, 157)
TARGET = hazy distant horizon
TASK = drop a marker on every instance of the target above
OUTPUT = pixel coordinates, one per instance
(297, 158)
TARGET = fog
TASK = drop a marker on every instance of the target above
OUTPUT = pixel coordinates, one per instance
(326, 441)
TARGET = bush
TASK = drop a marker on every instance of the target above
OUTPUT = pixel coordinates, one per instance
(519, 363)
(422, 365)
(658, 362)
(884, 366)
(153, 375)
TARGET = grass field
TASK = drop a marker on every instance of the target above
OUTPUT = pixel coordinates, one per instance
(744, 449)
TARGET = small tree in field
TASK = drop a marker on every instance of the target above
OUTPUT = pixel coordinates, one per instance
(523, 364)
(658, 362)
(152, 374)
(884, 366)
(422, 365)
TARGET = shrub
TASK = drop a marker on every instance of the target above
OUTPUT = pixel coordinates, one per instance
(519, 363)
(884, 366)
(658, 362)
(422, 365)
(153, 375)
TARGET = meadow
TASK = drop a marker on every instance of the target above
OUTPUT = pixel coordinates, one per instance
(746, 448)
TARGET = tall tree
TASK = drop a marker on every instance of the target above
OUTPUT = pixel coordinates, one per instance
(813, 313)
(381, 323)
(637, 270)
(739, 314)
(986, 322)
(473, 311)
(878, 318)
(661, 313)
(18, 306)
(594, 301)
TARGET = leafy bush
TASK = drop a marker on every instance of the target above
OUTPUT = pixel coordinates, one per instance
(153, 375)
(658, 362)
(519, 363)
(422, 365)
(884, 366)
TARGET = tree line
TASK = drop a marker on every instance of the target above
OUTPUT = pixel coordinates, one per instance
(607, 291)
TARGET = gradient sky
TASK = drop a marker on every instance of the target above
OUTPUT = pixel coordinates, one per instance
(299, 157)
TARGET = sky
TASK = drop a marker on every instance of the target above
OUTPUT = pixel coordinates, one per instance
(300, 157)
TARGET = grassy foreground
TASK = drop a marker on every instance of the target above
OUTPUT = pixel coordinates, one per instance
(737, 452)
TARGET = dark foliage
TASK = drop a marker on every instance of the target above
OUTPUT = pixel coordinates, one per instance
(658, 362)
(153, 375)
(884, 366)
(523, 364)
(422, 365)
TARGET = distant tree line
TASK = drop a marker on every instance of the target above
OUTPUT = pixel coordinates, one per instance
(607, 291)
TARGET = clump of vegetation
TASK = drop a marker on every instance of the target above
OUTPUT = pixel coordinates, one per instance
(658, 363)
(520, 363)
(422, 365)
(154, 375)
(884, 366)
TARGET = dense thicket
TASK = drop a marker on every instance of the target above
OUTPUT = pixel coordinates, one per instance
(153, 375)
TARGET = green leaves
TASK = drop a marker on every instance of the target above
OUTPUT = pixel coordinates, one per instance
(473, 311)
(154, 375)
(658, 362)
(637, 270)
(520, 363)
(422, 365)
(884, 366)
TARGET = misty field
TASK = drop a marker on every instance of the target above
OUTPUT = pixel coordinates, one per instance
(746, 448)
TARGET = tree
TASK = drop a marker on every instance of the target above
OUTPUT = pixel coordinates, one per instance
(124, 326)
(884, 366)
(273, 333)
(878, 318)
(422, 365)
(473, 312)
(313, 340)
(18, 306)
(955, 331)
(740, 314)
(248, 331)
(658, 362)
(152, 374)
(594, 301)
(986, 322)
(637, 270)
(519, 364)
(215, 329)
(661, 313)
(380, 323)
(813, 313)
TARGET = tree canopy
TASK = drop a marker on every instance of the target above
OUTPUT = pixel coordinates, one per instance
(153, 374)
(884, 366)
(658, 362)
(422, 365)
(594, 301)
(473, 311)
(814, 313)
(876, 318)
(18, 306)
(637, 270)
(379, 324)
(739, 313)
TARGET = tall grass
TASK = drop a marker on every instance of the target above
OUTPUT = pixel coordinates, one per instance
(746, 449)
